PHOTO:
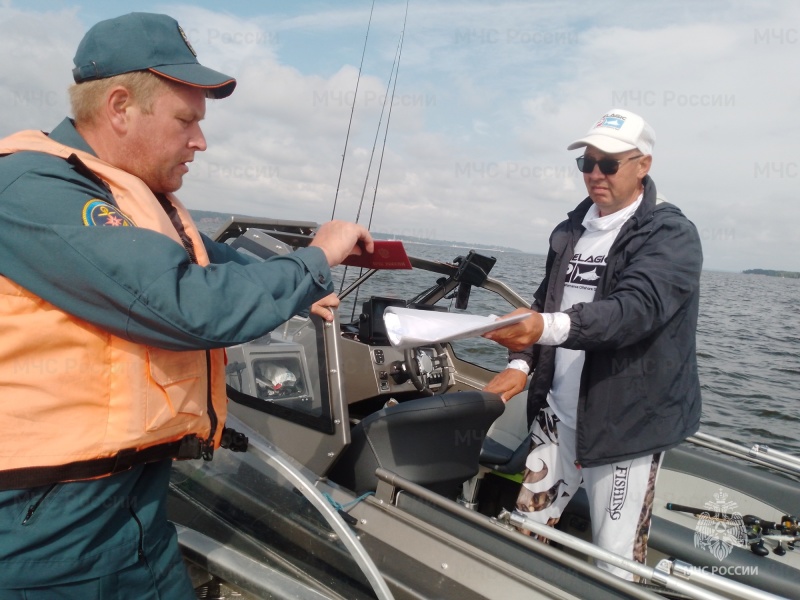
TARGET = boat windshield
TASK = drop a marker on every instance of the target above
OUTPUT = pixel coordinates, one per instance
(253, 507)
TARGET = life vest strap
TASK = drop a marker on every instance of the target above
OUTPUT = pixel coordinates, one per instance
(29, 477)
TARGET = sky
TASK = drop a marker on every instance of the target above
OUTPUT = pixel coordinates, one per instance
(488, 95)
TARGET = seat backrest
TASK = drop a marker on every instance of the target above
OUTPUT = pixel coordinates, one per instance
(507, 442)
(434, 442)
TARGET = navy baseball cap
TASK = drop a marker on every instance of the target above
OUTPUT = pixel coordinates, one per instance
(145, 42)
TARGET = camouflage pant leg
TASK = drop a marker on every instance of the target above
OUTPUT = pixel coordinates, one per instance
(550, 478)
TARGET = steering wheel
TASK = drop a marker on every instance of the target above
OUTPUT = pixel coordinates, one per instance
(420, 367)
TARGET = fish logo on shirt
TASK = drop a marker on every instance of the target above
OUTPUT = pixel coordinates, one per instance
(586, 274)
(99, 212)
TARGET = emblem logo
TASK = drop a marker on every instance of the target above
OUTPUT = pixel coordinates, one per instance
(186, 39)
(612, 121)
(718, 531)
(99, 212)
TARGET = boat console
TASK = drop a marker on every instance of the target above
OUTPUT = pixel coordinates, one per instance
(389, 438)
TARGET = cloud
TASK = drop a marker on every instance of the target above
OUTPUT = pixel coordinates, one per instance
(37, 55)
(487, 99)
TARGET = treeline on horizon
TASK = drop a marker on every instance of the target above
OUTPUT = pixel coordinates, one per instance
(199, 215)
(786, 274)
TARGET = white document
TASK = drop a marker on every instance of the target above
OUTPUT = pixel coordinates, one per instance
(408, 327)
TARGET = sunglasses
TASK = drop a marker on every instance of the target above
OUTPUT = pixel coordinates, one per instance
(608, 166)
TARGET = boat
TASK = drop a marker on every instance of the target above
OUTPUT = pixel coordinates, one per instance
(367, 471)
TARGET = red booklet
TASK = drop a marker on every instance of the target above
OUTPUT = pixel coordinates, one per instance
(388, 254)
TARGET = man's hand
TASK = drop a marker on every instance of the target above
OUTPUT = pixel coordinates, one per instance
(507, 383)
(520, 335)
(340, 239)
(324, 307)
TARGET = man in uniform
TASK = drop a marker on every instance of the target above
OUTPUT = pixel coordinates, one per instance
(114, 310)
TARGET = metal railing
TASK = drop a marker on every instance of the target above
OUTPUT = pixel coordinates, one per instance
(760, 454)
(671, 575)
(283, 465)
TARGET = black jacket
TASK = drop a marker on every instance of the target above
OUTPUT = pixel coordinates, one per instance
(639, 392)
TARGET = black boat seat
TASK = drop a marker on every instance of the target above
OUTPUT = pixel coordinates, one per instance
(505, 448)
(434, 442)
(507, 442)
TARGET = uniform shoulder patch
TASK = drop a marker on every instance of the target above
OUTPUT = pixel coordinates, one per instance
(100, 212)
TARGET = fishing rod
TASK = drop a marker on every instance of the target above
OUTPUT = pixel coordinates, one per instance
(757, 529)
(352, 110)
(386, 98)
(390, 99)
(388, 119)
(394, 72)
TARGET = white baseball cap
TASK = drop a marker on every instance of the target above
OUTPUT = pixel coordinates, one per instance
(618, 131)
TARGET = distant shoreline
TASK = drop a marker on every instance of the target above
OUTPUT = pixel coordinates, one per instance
(769, 273)
(211, 220)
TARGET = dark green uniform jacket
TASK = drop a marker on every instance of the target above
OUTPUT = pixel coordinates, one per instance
(139, 285)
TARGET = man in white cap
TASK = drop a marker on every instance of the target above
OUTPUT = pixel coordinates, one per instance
(610, 342)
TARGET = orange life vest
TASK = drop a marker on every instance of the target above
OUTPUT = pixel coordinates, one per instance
(77, 398)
